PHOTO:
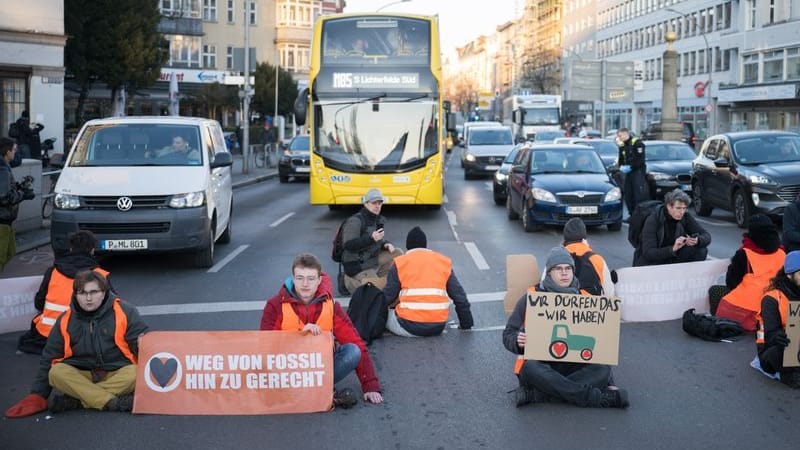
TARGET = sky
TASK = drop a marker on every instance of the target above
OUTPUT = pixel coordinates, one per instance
(460, 21)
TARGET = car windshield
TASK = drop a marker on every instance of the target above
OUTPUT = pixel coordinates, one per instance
(767, 149)
(511, 155)
(604, 148)
(299, 143)
(481, 136)
(549, 135)
(669, 152)
(138, 145)
(565, 161)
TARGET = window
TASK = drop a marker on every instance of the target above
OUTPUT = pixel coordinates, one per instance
(750, 66)
(773, 65)
(231, 13)
(727, 14)
(210, 10)
(692, 63)
(793, 63)
(726, 59)
(209, 56)
(181, 8)
(701, 61)
(717, 59)
(658, 68)
(253, 14)
(750, 15)
(229, 57)
(184, 50)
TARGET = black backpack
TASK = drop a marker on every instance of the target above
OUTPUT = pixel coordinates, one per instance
(637, 219)
(338, 245)
(708, 327)
(13, 130)
(368, 310)
(587, 276)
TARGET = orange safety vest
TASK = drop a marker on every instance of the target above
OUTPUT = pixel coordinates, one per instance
(120, 327)
(783, 308)
(423, 278)
(291, 321)
(59, 295)
(748, 294)
(579, 248)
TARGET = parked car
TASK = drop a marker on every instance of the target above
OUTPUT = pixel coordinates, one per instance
(486, 149)
(747, 172)
(669, 166)
(295, 160)
(547, 137)
(147, 184)
(550, 184)
(688, 137)
(500, 179)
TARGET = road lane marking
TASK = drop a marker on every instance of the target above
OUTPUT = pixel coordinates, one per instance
(279, 221)
(452, 228)
(476, 256)
(219, 265)
(451, 217)
(444, 199)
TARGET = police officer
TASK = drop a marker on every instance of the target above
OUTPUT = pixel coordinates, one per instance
(631, 164)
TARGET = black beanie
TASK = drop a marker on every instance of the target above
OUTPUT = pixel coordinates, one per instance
(416, 239)
(574, 230)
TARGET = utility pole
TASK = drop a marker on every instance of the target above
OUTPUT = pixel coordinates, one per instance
(247, 93)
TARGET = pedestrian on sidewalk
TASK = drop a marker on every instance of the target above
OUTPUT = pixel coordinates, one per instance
(11, 195)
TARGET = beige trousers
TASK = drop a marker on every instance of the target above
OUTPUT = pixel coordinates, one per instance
(78, 383)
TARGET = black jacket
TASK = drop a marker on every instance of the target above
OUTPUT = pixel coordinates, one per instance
(791, 226)
(656, 248)
(10, 194)
(360, 250)
(771, 357)
(30, 137)
(631, 153)
(69, 265)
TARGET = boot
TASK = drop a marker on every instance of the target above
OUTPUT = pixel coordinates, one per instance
(614, 398)
(61, 403)
(524, 396)
(123, 403)
(344, 399)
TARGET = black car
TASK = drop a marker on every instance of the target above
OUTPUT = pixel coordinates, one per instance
(499, 183)
(669, 166)
(687, 133)
(747, 172)
(550, 184)
(606, 148)
(294, 161)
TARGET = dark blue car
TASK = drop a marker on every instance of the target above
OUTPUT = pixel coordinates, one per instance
(550, 184)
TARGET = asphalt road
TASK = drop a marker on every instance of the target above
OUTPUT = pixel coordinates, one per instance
(444, 392)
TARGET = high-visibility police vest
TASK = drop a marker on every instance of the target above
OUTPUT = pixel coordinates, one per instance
(423, 278)
(57, 300)
(291, 321)
(748, 294)
(120, 327)
(783, 308)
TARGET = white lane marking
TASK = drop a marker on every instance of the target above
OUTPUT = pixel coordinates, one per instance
(452, 228)
(279, 221)
(451, 217)
(219, 265)
(444, 199)
(716, 222)
(476, 256)
(494, 328)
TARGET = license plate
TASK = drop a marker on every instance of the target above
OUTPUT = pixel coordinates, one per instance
(124, 244)
(581, 209)
(302, 169)
(492, 167)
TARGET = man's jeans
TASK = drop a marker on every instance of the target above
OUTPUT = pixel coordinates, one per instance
(576, 383)
(345, 360)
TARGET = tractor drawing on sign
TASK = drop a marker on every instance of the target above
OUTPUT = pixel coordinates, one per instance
(562, 341)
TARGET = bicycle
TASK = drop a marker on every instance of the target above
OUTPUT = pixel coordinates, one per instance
(48, 195)
(260, 156)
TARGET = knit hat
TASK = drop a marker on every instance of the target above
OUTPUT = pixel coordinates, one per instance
(792, 262)
(373, 195)
(560, 255)
(759, 222)
(416, 239)
(574, 230)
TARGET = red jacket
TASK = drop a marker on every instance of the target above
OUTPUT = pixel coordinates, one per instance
(343, 330)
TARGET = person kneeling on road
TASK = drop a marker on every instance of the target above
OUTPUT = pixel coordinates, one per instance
(585, 385)
(419, 284)
(305, 303)
(90, 354)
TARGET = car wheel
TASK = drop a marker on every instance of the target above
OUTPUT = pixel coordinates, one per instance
(512, 215)
(616, 226)
(741, 209)
(283, 178)
(701, 207)
(204, 258)
(225, 238)
(498, 200)
(527, 223)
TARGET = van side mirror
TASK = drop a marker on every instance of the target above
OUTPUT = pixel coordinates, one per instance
(223, 159)
(301, 107)
(450, 121)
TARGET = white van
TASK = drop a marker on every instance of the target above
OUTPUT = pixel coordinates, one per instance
(147, 184)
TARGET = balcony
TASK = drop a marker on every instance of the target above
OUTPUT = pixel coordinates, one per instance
(180, 25)
(293, 34)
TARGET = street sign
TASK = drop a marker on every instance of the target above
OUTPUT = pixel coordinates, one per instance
(709, 108)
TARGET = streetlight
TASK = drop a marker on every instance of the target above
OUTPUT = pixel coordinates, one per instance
(390, 4)
(709, 60)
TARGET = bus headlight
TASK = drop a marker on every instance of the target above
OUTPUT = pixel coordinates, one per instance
(66, 201)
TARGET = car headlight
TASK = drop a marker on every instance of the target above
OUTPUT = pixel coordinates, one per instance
(613, 195)
(761, 179)
(188, 200)
(470, 157)
(659, 176)
(66, 201)
(543, 195)
(500, 176)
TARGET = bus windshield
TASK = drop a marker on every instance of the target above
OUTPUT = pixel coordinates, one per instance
(377, 136)
(541, 116)
(375, 40)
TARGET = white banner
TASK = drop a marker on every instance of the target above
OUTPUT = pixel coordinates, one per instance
(16, 302)
(664, 292)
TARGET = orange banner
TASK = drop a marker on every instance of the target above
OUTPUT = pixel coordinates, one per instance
(234, 372)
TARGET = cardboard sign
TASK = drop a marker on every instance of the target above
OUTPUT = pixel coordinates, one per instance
(664, 292)
(791, 355)
(522, 272)
(572, 328)
(234, 372)
(16, 302)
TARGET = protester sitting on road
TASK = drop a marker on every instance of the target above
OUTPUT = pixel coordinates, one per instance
(367, 256)
(11, 195)
(749, 273)
(90, 354)
(580, 384)
(305, 303)
(771, 339)
(178, 151)
(418, 286)
(55, 291)
(669, 235)
(598, 280)
(791, 226)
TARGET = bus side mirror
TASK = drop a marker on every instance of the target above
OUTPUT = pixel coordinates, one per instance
(301, 107)
(450, 119)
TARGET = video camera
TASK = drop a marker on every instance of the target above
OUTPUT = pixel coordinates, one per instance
(26, 184)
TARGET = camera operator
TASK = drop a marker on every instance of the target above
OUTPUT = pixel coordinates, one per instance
(11, 195)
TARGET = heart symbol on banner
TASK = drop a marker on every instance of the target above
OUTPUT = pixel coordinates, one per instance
(558, 349)
(163, 371)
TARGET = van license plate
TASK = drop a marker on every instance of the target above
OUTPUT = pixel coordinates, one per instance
(492, 167)
(581, 209)
(124, 244)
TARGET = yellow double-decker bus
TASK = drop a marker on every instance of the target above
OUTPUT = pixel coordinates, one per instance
(374, 110)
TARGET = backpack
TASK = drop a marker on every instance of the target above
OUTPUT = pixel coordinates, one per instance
(710, 328)
(368, 310)
(587, 276)
(636, 221)
(338, 244)
(13, 130)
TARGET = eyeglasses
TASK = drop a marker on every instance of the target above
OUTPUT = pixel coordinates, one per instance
(300, 279)
(564, 269)
(92, 293)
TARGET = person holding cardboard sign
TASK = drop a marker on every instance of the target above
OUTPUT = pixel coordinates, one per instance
(305, 303)
(781, 299)
(585, 385)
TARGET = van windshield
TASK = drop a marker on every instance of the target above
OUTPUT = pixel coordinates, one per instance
(138, 145)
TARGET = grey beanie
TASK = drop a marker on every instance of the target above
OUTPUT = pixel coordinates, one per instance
(558, 255)
(574, 230)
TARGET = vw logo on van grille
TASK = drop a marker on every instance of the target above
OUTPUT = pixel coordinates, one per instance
(124, 203)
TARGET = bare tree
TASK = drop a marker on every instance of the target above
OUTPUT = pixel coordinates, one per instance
(462, 92)
(542, 73)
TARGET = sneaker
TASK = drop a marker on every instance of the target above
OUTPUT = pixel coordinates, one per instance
(524, 396)
(614, 398)
(344, 399)
(61, 403)
(123, 403)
